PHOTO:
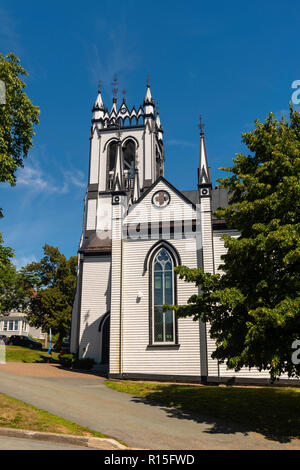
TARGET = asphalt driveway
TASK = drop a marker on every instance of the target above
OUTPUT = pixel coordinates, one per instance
(84, 399)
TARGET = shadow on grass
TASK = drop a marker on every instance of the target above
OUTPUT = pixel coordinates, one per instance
(274, 413)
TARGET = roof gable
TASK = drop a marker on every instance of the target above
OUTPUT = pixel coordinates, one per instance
(176, 206)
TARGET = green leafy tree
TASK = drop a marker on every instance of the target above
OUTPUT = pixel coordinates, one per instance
(18, 116)
(8, 278)
(53, 286)
(254, 306)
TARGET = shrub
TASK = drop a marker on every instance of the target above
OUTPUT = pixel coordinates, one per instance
(67, 360)
(84, 363)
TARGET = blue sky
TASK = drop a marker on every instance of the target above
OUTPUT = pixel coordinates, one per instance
(231, 61)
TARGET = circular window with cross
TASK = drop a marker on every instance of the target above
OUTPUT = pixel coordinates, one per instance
(161, 199)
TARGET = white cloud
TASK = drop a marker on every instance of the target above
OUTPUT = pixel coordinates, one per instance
(9, 38)
(23, 261)
(37, 180)
(33, 177)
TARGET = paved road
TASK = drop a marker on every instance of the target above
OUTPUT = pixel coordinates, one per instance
(87, 401)
(15, 443)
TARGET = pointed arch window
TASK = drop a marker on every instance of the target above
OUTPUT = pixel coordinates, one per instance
(111, 162)
(128, 151)
(163, 323)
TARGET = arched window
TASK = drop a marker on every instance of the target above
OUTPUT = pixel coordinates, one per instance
(111, 161)
(128, 150)
(112, 152)
(163, 323)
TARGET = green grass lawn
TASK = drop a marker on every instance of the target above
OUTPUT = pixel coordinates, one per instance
(272, 411)
(19, 415)
(21, 354)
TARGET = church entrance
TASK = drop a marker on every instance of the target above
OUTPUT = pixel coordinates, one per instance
(105, 340)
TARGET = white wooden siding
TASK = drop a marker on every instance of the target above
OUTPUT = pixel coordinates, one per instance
(136, 357)
(91, 214)
(208, 267)
(94, 303)
(94, 158)
(116, 292)
(219, 248)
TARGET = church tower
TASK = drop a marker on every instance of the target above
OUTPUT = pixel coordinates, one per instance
(126, 157)
(126, 154)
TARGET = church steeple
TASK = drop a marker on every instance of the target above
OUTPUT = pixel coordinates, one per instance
(148, 104)
(204, 180)
(158, 123)
(98, 108)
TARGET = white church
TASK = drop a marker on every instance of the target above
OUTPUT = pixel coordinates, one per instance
(136, 228)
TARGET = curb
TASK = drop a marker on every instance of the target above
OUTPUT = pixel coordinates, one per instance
(91, 442)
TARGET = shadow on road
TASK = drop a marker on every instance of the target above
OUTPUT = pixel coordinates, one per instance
(215, 425)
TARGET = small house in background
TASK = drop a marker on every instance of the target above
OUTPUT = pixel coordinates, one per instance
(16, 323)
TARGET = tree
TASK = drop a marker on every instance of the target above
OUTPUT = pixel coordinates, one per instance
(8, 278)
(53, 286)
(254, 306)
(18, 116)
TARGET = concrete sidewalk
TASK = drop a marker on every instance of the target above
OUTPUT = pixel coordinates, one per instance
(85, 399)
(64, 440)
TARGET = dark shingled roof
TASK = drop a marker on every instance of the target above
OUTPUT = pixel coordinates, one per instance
(219, 197)
(96, 241)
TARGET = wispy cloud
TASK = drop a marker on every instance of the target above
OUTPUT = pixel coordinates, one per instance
(23, 261)
(37, 180)
(9, 37)
(120, 58)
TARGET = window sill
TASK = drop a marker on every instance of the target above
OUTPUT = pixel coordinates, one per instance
(163, 346)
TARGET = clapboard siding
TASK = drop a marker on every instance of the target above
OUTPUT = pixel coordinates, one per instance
(94, 303)
(208, 267)
(94, 159)
(136, 357)
(219, 248)
(116, 292)
(91, 214)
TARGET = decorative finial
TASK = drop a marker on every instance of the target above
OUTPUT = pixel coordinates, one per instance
(201, 125)
(99, 86)
(148, 80)
(124, 97)
(115, 88)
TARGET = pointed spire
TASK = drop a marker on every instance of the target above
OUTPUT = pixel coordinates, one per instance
(204, 173)
(148, 96)
(115, 88)
(98, 103)
(98, 108)
(158, 123)
(136, 185)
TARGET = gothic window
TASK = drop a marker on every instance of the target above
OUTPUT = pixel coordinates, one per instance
(129, 157)
(163, 323)
(111, 161)
(112, 152)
